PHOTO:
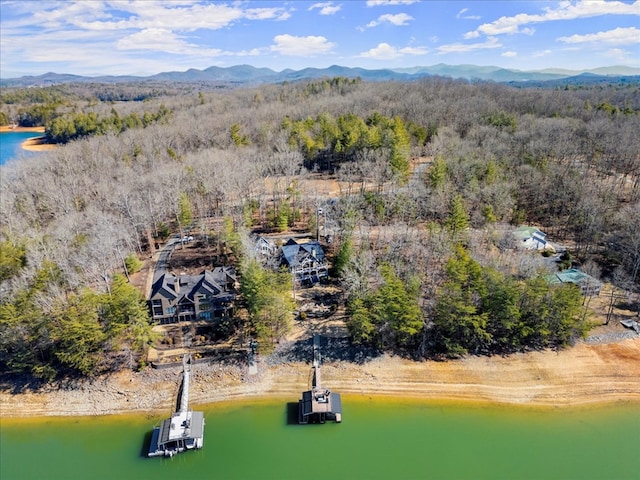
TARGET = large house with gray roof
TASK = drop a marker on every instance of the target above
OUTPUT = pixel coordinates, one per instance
(180, 298)
(305, 261)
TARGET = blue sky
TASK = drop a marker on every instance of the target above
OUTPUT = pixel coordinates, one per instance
(143, 37)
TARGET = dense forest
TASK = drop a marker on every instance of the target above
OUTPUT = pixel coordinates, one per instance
(433, 175)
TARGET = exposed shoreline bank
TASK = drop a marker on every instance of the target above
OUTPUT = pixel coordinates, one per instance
(9, 128)
(584, 375)
(35, 144)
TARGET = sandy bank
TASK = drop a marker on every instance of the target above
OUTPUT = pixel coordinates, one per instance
(9, 128)
(583, 375)
(36, 144)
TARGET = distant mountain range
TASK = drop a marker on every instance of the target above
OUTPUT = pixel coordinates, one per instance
(248, 75)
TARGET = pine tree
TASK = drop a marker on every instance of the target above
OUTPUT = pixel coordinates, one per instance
(458, 219)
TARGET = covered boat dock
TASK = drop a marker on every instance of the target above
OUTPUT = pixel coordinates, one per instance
(319, 404)
(184, 430)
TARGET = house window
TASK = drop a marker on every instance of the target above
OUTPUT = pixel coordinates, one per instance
(204, 303)
(186, 308)
(205, 315)
(157, 308)
(171, 310)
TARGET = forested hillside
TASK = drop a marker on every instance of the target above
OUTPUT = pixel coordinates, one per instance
(431, 174)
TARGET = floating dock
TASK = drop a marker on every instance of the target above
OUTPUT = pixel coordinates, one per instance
(184, 430)
(319, 404)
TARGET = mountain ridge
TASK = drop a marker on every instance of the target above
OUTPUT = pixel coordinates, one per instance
(248, 74)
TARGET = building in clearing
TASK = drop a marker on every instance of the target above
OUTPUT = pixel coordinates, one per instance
(532, 239)
(589, 285)
(207, 296)
(305, 261)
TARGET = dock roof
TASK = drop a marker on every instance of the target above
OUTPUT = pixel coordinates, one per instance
(182, 425)
(315, 401)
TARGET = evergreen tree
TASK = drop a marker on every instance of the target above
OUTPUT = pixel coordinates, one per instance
(389, 316)
(361, 327)
(343, 257)
(458, 219)
(461, 325)
(77, 333)
(13, 258)
(437, 173)
(267, 296)
(125, 317)
(400, 150)
(395, 307)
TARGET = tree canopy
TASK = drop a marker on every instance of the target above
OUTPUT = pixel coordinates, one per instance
(480, 311)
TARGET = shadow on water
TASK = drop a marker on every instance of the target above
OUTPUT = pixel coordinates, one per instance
(292, 413)
(146, 443)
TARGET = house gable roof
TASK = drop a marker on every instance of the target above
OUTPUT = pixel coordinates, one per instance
(165, 287)
(204, 285)
(293, 253)
(185, 287)
(264, 241)
(223, 275)
(525, 232)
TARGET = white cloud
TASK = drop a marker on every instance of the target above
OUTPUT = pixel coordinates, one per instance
(254, 52)
(398, 20)
(414, 51)
(509, 54)
(619, 55)
(176, 16)
(163, 40)
(326, 8)
(118, 35)
(384, 51)
(491, 42)
(617, 36)
(541, 53)
(301, 46)
(467, 17)
(379, 3)
(565, 11)
(267, 14)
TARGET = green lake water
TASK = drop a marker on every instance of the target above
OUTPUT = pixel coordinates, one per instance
(378, 439)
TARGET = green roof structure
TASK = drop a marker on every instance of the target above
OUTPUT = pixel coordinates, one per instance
(588, 284)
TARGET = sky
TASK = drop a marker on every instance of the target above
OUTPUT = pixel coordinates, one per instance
(144, 37)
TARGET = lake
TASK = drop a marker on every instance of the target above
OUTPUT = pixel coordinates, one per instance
(378, 439)
(10, 145)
